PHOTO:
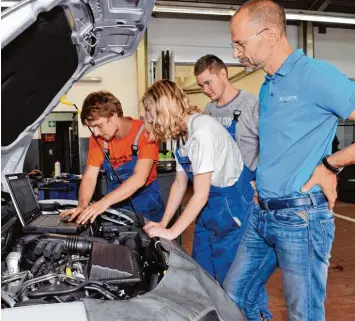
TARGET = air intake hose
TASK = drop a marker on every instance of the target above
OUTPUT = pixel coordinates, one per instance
(72, 244)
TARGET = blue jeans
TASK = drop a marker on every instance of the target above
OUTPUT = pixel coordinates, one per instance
(299, 241)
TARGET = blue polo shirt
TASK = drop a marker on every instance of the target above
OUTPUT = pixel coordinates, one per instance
(299, 109)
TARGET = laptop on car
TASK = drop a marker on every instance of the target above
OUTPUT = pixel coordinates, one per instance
(29, 211)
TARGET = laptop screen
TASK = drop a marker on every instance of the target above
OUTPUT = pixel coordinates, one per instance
(23, 197)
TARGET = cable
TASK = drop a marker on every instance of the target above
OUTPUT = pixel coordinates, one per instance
(95, 285)
(159, 248)
(57, 292)
(107, 294)
(113, 169)
(77, 282)
(105, 217)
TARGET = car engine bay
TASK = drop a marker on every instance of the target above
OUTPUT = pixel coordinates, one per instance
(113, 259)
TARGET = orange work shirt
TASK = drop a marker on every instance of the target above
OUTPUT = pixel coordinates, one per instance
(121, 150)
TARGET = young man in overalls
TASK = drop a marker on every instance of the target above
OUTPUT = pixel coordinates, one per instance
(132, 155)
(238, 111)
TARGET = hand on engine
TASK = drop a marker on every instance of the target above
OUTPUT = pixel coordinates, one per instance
(151, 224)
(158, 231)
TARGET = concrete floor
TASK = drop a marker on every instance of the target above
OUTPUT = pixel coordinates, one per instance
(340, 302)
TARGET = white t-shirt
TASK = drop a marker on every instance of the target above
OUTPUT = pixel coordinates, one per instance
(211, 148)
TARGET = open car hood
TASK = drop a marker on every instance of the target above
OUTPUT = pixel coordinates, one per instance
(48, 45)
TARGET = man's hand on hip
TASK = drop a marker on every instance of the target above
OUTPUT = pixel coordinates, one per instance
(326, 180)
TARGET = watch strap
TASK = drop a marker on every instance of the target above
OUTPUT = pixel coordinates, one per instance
(330, 167)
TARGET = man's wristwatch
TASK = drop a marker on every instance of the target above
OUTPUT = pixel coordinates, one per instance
(331, 168)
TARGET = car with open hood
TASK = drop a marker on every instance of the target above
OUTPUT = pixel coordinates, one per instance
(111, 270)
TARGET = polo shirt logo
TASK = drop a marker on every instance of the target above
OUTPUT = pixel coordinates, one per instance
(286, 99)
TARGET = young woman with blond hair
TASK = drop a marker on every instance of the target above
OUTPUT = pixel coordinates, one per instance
(210, 159)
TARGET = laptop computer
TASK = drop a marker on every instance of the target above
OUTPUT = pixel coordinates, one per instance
(29, 211)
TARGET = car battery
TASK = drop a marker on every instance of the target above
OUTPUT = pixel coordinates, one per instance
(59, 190)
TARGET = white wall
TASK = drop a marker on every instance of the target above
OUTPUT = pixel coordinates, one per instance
(337, 47)
(119, 77)
(191, 39)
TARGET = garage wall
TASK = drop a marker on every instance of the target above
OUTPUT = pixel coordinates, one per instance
(191, 39)
(337, 46)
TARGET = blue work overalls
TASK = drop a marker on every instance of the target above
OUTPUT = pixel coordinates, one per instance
(217, 235)
(232, 129)
(147, 200)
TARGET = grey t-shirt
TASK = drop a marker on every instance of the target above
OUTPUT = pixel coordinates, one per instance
(247, 129)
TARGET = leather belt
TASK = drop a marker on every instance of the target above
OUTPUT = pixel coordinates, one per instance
(279, 204)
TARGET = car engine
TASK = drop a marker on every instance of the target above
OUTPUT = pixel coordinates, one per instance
(112, 260)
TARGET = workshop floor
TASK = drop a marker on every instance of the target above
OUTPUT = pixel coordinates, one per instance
(340, 302)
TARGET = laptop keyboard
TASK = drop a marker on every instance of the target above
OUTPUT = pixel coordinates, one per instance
(47, 221)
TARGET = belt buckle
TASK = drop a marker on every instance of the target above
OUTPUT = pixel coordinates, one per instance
(313, 200)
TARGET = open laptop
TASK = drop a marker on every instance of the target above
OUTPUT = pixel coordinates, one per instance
(29, 211)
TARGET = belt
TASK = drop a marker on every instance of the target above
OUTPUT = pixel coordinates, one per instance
(279, 204)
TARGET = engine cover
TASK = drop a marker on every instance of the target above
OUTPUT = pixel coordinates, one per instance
(113, 262)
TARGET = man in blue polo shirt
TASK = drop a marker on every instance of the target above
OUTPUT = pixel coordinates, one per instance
(300, 102)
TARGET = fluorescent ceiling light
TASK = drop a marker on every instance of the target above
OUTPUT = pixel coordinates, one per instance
(230, 12)
(7, 4)
(316, 18)
(192, 10)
